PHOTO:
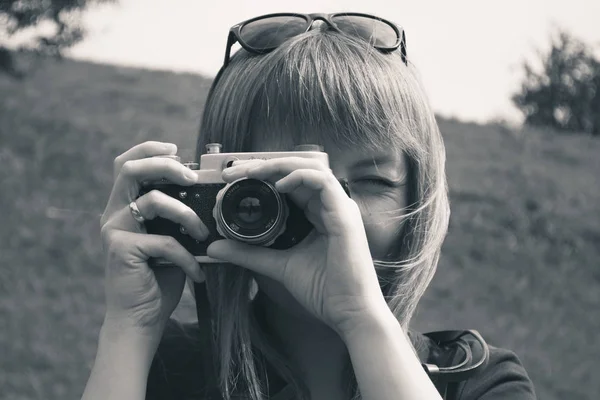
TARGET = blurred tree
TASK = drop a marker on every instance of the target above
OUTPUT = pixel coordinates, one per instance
(565, 94)
(62, 17)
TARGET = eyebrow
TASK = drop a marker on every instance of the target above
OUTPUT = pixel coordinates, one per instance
(373, 161)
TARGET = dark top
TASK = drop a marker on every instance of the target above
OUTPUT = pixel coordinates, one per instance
(177, 370)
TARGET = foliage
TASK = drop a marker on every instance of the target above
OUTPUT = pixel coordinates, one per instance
(565, 94)
(19, 15)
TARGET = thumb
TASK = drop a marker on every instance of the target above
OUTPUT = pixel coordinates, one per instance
(265, 261)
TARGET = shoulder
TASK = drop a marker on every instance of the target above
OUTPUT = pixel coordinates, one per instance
(177, 369)
(503, 376)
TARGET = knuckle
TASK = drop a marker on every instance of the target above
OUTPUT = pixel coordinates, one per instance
(164, 162)
(118, 161)
(168, 163)
(170, 243)
(154, 196)
(158, 208)
(151, 204)
(105, 232)
(169, 166)
(314, 174)
(127, 168)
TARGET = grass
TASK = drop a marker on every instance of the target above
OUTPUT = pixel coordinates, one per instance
(520, 263)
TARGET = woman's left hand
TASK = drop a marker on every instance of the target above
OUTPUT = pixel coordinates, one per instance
(330, 273)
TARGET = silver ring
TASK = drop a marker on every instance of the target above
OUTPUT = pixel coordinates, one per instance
(135, 212)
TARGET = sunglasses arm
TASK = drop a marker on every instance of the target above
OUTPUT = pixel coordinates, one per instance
(231, 39)
(403, 47)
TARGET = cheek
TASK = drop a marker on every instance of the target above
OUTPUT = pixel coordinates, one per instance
(382, 237)
(383, 228)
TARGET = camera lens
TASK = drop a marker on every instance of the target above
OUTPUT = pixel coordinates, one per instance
(249, 211)
(252, 211)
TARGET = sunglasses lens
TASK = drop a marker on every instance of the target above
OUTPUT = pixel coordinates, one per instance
(270, 32)
(376, 32)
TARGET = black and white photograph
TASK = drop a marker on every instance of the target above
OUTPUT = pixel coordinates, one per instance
(299, 200)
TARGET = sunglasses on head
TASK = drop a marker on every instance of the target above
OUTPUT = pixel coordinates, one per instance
(263, 34)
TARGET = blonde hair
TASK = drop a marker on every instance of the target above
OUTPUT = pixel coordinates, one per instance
(324, 84)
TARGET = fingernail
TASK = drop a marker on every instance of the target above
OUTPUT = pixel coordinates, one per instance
(204, 230)
(170, 148)
(240, 162)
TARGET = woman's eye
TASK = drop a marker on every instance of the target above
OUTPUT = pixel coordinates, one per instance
(374, 181)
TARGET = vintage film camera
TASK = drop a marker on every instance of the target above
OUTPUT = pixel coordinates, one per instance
(248, 210)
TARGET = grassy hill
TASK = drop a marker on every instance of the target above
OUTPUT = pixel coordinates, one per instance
(520, 263)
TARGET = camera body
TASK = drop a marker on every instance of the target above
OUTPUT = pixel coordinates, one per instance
(248, 210)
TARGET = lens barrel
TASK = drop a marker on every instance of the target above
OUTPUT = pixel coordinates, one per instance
(251, 211)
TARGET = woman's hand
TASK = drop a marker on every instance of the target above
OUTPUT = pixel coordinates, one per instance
(138, 297)
(331, 272)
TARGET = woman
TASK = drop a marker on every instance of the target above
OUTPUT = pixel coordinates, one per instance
(328, 318)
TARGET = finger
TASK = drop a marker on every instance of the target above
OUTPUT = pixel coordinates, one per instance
(334, 213)
(123, 220)
(246, 162)
(157, 204)
(273, 168)
(134, 172)
(155, 169)
(130, 246)
(144, 150)
(239, 169)
(330, 190)
(265, 261)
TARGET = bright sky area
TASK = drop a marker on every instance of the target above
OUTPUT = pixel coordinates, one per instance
(469, 52)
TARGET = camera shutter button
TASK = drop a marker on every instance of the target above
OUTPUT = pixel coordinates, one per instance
(308, 147)
(171, 156)
(192, 165)
(213, 148)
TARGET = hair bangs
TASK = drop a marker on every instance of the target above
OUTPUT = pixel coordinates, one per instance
(321, 88)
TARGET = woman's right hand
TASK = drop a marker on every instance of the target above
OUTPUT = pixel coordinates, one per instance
(138, 297)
